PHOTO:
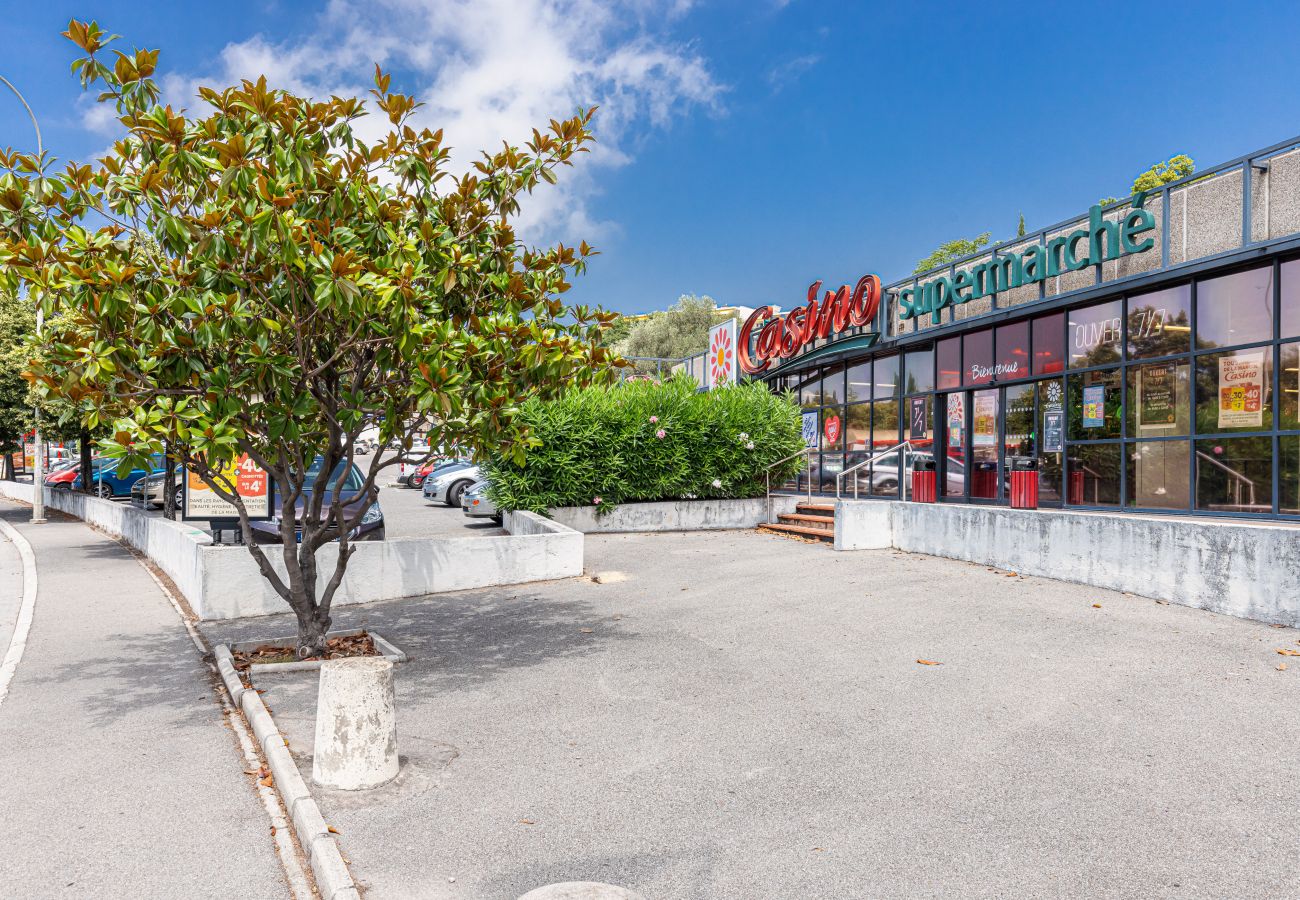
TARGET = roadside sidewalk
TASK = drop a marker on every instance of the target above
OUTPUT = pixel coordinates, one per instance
(121, 778)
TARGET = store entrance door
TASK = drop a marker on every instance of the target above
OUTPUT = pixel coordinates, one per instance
(986, 465)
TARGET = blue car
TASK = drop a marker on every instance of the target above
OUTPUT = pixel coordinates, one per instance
(108, 484)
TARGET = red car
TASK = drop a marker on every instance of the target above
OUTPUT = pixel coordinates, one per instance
(416, 478)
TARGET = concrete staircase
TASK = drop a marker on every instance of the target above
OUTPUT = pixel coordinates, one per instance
(810, 520)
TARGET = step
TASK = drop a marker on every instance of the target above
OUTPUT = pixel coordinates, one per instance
(811, 521)
(821, 534)
(816, 507)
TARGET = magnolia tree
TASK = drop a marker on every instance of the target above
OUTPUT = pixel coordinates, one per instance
(261, 282)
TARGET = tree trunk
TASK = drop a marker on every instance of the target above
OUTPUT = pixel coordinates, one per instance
(83, 441)
(8, 466)
(169, 487)
(312, 629)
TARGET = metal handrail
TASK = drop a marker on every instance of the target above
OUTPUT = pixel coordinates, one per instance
(1239, 478)
(767, 474)
(905, 447)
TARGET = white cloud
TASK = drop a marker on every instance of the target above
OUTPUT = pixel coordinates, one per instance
(491, 70)
(789, 71)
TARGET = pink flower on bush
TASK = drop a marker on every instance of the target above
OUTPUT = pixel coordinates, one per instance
(654, 420)
(595, 501)
(661, 434)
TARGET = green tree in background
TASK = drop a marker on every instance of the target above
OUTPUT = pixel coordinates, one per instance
(680, 331)
(1160, 174)
(17, 328)
(951, 250)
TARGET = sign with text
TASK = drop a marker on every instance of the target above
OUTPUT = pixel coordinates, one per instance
(1157, 400)
(1094, 406)
(920, 426)
(243, 477)
(832, 430)
(1241, 390)
(1054, 431)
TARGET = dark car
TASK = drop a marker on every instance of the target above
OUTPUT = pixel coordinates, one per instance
(371, 527)
(105, 482)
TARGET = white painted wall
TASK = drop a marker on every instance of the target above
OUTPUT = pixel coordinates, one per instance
(1227, 566)
(223, 582)
(675, 515)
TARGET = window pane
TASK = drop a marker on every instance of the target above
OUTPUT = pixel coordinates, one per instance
(1011, 351)
(952, 483)
(977, 357)
(918, 429)
(918, 366)
(984, 444)
(1234, 475)
(859, 382)
(948, 359)
(1093, 478)
(810, 392)
(884, 430)
(1291, 299)
(1159, 399)
(833, 385)
(1160, 323)
(1094, 405)
(1288, 471)
(832, 465)
(1018, 428)
(1158, 474)
(1095, 334)
(1234, 391)
(1290, 381)
(1235, 309)
(1051, 444)
(1049, 344)
(833, 428)
(857, 428)
(885, 377)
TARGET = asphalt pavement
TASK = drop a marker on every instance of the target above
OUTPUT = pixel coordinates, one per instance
(738, 715)
(121, 776)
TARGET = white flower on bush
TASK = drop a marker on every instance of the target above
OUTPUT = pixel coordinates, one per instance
(690, 496)
(717, 483)
(744, 436)
(749, 446)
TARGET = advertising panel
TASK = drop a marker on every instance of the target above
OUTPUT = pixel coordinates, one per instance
(1157, 397)
(920, 428)
(810, 430)
(244, 477)
(1094, 406)
(956, 421)
(985, 430)
(1241, 390)
(1054, 431)
(722, 354)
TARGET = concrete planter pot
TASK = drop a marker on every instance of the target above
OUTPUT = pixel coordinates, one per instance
(385, 647)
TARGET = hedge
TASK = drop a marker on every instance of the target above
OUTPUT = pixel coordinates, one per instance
(645, 441)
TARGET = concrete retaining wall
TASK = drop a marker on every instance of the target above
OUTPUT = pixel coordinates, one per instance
(223, 582)
(675, 515)
(862, 526)
(1237, 568)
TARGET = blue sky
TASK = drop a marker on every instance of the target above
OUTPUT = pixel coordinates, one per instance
(747, 148)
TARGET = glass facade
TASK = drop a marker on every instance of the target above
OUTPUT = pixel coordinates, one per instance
(1185, 398)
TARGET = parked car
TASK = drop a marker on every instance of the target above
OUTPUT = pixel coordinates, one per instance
(148, 493)
(476, 503)
(107, 483)
(61, 476)
(370, 528)
(449, 487)
(419, 473)
(442, 469)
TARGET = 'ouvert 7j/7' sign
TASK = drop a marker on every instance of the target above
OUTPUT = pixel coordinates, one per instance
(1100, 240)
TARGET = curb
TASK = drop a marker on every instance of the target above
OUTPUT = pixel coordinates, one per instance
(332, 876)
(26, 609)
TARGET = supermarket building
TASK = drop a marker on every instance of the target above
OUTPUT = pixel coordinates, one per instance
(1143, 359)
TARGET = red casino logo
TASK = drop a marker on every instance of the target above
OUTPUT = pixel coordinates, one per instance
(781, 337)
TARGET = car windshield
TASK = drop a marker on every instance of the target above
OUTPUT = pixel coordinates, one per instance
(351, 483)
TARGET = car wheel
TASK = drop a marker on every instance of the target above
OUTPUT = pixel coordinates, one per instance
(103, 490)
(889, 486)
(180, 499)
(457, 491)
(417, 481)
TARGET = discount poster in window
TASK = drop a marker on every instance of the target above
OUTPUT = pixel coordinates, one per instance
(1241, 390)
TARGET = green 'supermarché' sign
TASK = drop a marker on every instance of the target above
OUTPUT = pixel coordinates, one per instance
(1103, 239)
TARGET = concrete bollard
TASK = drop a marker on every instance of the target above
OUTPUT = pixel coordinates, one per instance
(356, 725)
(581, 890)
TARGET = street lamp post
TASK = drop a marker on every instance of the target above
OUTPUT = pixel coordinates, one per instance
(38, 460)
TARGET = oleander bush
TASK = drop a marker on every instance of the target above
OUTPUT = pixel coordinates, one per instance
(646, 441)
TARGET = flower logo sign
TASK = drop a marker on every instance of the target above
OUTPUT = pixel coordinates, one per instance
(722, 354)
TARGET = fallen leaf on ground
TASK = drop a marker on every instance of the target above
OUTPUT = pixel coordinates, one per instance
(1277, 626)
(527, 822)
(586, 630)
(332, 829)
(1011, 574)
(1163, 602)
(1281, 667)
(265, 782)
(929, 662)
(1096, 606)
(272, 831)
(1287, 651)
(819, 849)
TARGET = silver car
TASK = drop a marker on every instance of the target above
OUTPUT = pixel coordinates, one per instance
(478, 505)
(451, 486)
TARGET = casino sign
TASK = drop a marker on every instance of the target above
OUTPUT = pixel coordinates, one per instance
(782, 337)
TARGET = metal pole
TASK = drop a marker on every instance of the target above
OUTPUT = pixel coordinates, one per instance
(38, 467)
